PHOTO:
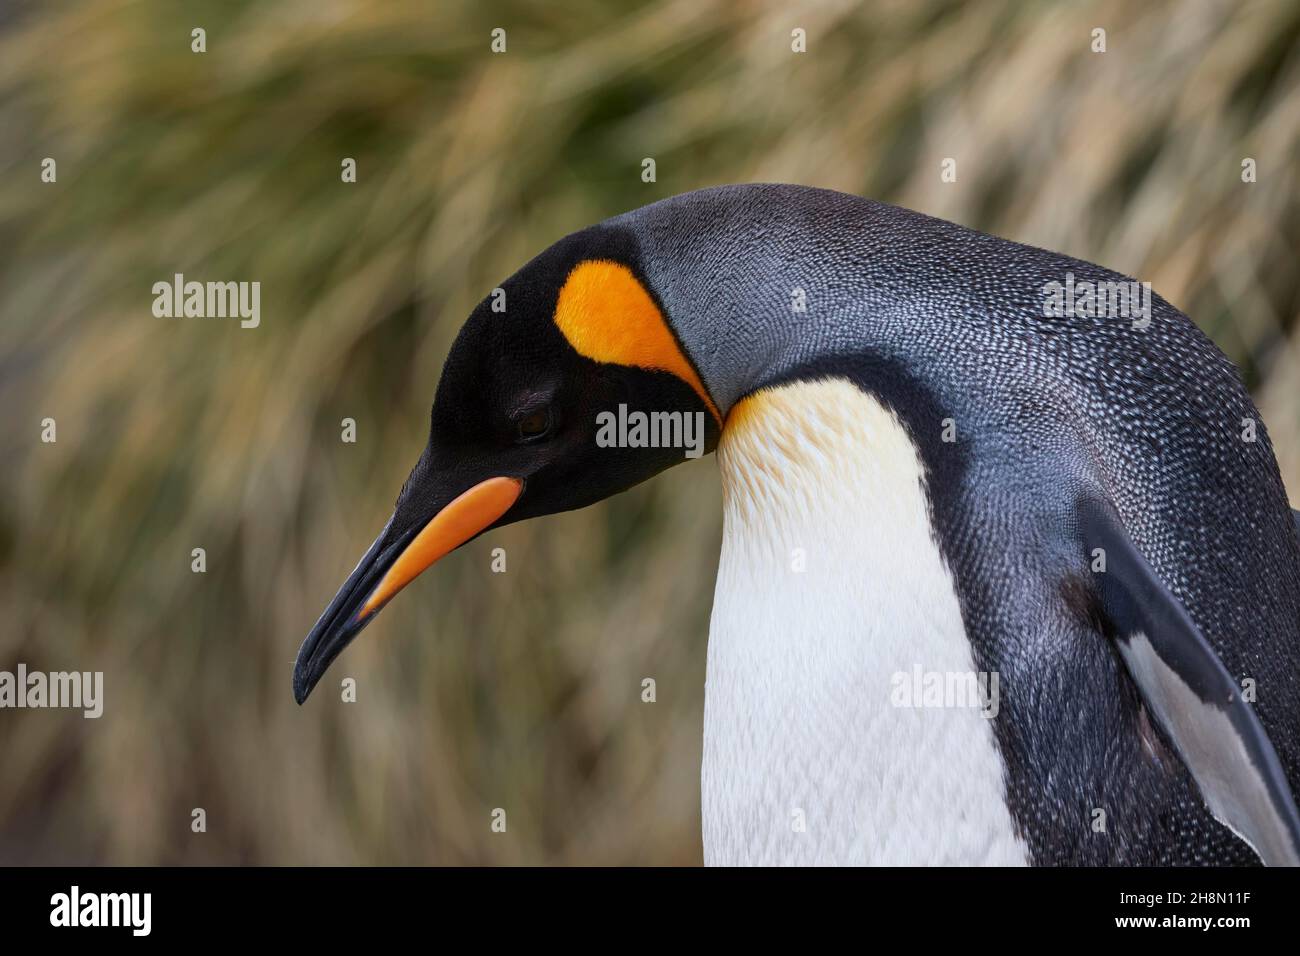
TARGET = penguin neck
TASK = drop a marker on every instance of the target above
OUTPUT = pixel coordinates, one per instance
(830, 587)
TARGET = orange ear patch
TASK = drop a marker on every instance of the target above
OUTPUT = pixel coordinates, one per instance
(608, 316)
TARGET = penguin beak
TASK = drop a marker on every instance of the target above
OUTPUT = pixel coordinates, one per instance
(395, 559)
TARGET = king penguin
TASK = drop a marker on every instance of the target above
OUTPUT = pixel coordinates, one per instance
(926, 473)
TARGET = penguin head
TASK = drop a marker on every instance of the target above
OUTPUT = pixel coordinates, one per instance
(566, 385)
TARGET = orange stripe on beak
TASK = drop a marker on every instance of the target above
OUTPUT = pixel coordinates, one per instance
(451, 527)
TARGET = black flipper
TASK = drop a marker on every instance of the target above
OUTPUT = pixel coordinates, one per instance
(1186, 687)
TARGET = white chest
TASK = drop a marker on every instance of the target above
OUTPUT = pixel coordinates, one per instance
(832, 607)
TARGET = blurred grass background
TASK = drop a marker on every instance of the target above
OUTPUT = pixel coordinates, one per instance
(478, 690)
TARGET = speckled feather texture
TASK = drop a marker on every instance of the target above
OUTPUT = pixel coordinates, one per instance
(940, 322)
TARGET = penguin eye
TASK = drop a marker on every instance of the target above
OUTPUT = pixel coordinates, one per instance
(535, 424)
